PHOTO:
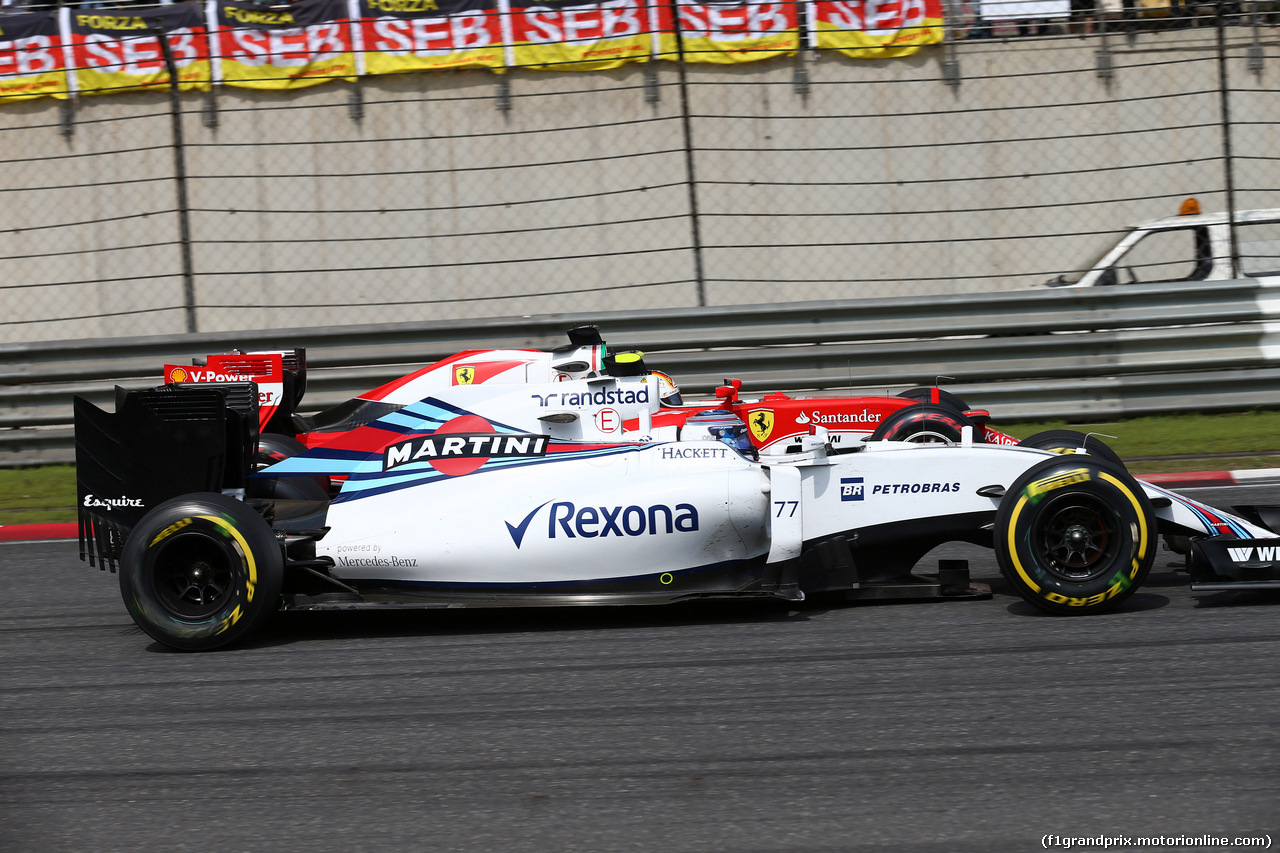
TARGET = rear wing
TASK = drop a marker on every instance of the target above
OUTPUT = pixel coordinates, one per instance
(158, 444)
(281, 376)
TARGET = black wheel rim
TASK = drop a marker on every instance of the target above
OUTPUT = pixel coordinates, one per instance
(194, 576)
(1079, 537)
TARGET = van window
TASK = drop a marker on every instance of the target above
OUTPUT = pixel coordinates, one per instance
(1179, 254)
(1259, 245)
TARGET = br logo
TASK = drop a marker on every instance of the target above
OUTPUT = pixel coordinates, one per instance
(761, 422)
(464, 375)
(851, 488)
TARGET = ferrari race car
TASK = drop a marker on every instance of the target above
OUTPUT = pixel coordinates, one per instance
(579, 392)
(444, 507)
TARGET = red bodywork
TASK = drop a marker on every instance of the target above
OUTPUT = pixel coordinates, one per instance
(777, 418)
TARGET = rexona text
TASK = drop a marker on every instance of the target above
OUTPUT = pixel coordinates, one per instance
(592, 521)
(463, 446)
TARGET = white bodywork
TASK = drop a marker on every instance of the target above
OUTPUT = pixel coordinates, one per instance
(492, 367)
(623, 511)
(677, 505)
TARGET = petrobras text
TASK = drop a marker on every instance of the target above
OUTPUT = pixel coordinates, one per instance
(913, 488)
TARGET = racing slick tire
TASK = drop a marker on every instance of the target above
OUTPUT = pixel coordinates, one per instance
(201, 571)
(273, 448)
(925, 422)
(1075, 535)
(1067, 440)
(945, 398)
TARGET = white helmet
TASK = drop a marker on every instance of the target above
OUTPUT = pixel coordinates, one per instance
(668, 390)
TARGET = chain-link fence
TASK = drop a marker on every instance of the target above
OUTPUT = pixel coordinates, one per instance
(1006, 155)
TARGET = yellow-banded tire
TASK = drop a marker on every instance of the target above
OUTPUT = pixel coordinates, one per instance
(1063, 441)
(1075, 535)
(201, 571)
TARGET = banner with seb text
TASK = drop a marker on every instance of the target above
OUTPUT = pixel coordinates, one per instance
(577, 36)
(283, 47)
(867, 29)
(726, 31)
(241, 43)
(120, 49)
(31, 57)
(420, 35)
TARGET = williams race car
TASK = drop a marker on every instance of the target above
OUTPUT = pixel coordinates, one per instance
(443, 507)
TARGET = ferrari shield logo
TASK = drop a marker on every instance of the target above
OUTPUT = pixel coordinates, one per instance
(464, 375)
(761, 423)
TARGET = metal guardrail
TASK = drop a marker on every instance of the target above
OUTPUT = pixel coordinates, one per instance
(1075, 354)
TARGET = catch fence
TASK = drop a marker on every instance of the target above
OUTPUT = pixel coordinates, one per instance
(770, 169)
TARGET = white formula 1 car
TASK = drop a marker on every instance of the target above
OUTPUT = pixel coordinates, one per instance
(441, 507)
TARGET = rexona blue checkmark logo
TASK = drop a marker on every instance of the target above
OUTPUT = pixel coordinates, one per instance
(569, 521)
(517, 530)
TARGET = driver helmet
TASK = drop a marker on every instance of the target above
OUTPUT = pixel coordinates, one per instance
(720, 425)
(668, 391)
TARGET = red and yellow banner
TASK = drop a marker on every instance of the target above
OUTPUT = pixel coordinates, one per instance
(870, 29)
(31, 58)
(727, 32)
(284, 47)
(424, 35)
(242, 43)
(572, 35)
(117, 49)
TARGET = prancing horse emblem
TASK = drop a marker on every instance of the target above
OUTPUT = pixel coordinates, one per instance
(463, 375)
(761, 423)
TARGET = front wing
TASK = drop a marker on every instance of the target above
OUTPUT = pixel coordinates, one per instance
(1223, 563)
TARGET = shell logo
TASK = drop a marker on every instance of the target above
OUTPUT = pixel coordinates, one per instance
(178, 375)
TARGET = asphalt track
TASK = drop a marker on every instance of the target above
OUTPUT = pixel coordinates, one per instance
(960, 726)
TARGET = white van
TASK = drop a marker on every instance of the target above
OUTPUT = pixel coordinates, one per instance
(1192, 246)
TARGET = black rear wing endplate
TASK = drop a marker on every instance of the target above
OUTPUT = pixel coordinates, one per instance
(158, 444)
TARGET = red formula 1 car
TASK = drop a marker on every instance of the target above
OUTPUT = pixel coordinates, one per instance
(583, 392)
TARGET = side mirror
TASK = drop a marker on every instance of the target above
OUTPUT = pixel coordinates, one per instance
(729, 390)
